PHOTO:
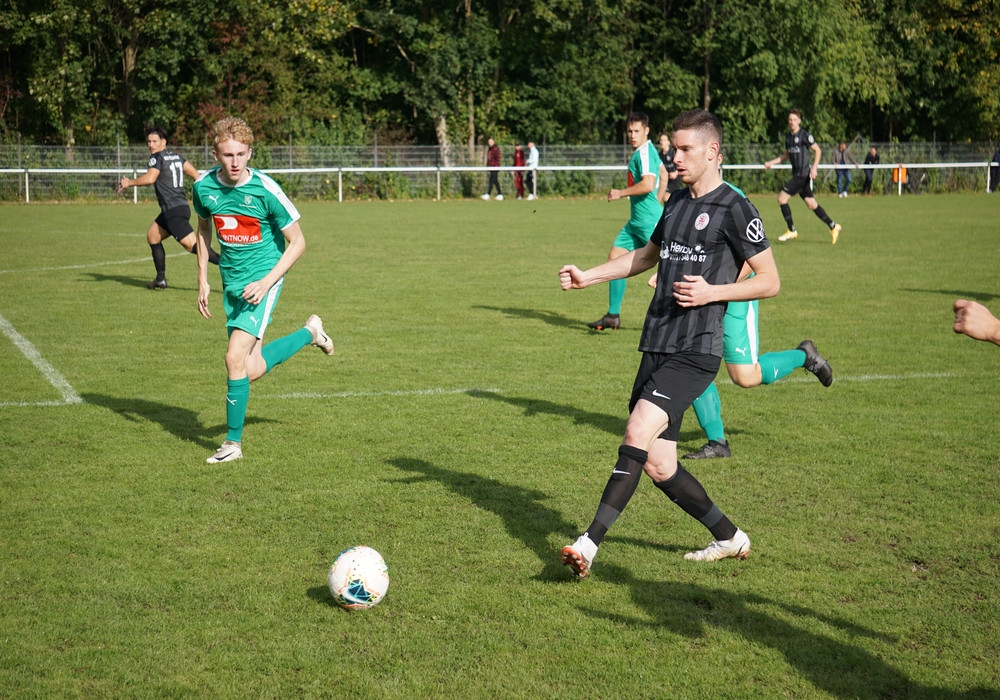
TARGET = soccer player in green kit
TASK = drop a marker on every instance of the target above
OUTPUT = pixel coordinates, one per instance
(260, 240)
(645, 209)
(746, 369)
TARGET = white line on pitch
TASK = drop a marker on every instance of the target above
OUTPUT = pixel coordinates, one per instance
(47, 370)
(371, 394)
(83, 267)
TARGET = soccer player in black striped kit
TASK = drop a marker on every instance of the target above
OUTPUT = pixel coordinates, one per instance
(800, 148)
(706, 233)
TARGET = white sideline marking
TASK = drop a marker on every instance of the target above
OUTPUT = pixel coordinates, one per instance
(370, 394)
(47, 370)
(83, 267)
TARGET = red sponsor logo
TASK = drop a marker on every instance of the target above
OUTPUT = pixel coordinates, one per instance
(236, 229)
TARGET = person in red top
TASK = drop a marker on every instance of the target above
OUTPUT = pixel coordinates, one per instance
(519, 175)
(493, 161)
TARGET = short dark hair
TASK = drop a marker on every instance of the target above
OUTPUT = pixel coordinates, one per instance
(638, 118)
(795, 111)
(699, 120)
(158, 130)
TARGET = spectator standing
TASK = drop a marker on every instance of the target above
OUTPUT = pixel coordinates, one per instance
(532, 165)
(493, 157)
(873, 158)
(841, 158)
(518, 174)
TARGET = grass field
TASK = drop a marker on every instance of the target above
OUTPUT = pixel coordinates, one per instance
(465, 429)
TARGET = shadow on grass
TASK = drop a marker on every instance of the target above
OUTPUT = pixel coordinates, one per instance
(602, 421)
(523, 511)
(133, 282)
(182, 423)
(553, 319)
(832, 666)
(981, 297)
(322, 595)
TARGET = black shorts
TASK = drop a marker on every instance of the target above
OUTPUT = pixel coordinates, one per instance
(176, 222)
(672, 382)
(800, 185)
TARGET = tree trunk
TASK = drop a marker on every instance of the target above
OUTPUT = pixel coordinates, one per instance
(441, 128)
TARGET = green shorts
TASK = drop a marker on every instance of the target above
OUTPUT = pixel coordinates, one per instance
(252, 318)
(634, 235)
(739, 328)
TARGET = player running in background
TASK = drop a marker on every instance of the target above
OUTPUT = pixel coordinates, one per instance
(258, 230)
(707, 232)
(799, 145)
(166, 173)
(643, 181)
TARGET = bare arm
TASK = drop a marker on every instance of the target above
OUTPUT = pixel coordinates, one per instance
(204, 244)
(148, 178)
(976, 321)
(295, 245)
(765, 283)
(775, 161)
(632, 263)
(661, 192)
(646, 185)
(817, 155)
(191, 171)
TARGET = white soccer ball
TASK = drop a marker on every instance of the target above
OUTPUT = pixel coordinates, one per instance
(358, 578)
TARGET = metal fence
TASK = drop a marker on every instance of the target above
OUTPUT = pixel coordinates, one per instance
(420, 172)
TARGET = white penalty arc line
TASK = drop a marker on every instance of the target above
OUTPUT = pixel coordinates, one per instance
(88, 265)
(48, 371)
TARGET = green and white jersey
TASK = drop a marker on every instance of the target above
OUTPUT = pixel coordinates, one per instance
(645, 209)
(248, 220)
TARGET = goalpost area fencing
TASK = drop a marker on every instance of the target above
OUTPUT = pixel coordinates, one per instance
(341, 173)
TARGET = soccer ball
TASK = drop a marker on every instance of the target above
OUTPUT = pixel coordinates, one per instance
(358, 578)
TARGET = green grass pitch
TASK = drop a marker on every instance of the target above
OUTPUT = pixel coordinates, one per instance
(465, 429)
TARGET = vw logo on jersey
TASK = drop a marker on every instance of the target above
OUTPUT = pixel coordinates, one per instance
(755, 231)
(702, 221)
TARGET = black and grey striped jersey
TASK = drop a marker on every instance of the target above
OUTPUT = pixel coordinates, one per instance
(799, 147)
(711, 236)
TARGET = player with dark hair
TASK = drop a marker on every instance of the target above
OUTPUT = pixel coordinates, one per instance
(706, 233)
(258, 230)
(644, 210)
(166, 173)
(799, 144)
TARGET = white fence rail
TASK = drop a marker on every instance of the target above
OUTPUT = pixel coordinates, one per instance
(905, 177)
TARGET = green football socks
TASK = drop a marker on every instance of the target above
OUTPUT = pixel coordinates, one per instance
(708, 410)
(236, 407)
(277, 351)
(616, 293)
(775, 365)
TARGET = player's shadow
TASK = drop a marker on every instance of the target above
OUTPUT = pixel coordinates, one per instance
(980, 296)
(532, 407)
(834, 667)
(130, 281)
(602, 421)
(120, 279)
(182, 423)
(549, 317)
(523, 511)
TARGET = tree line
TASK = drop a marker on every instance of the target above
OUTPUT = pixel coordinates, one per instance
(451, 73)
